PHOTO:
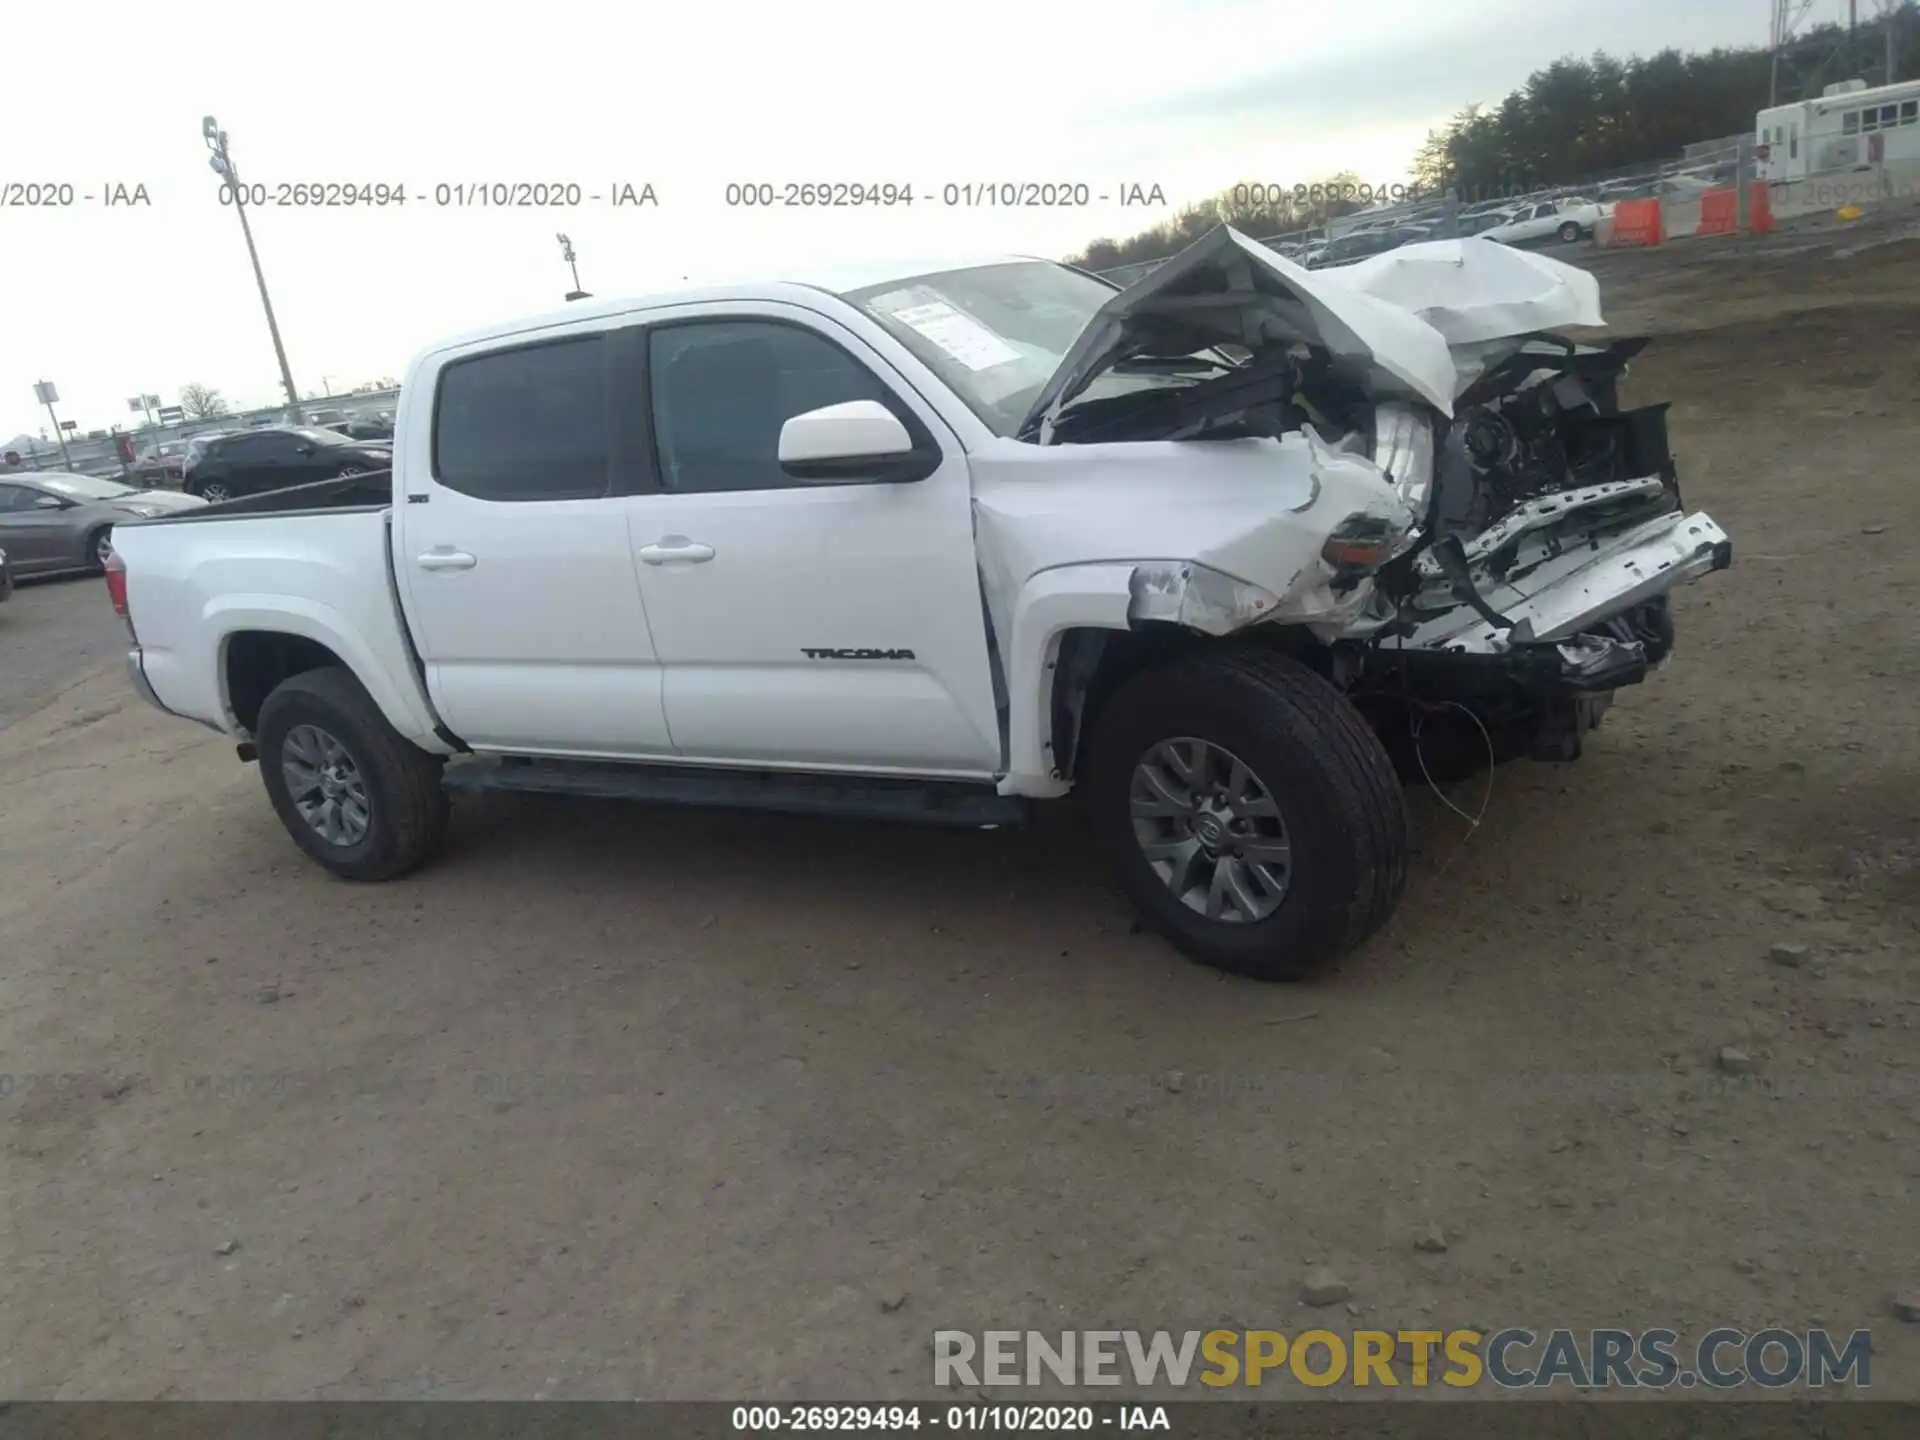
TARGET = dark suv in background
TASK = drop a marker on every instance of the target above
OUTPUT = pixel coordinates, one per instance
(275, 457)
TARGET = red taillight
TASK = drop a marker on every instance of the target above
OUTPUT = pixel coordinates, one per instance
(117, 584)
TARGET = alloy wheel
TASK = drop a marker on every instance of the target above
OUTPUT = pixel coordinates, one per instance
(1211, 830)
(326, 785)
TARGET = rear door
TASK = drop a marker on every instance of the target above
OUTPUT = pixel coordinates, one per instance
(806, 625)
(511, 550)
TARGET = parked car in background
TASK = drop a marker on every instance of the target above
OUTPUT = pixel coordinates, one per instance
(367, 427)
(1484, 221)
(326, 418)
(196, 447)
(160, 463)
(1359, 244)
(53, 520)
(1567, 219)
(272, 459)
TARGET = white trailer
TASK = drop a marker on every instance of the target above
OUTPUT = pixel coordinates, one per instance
(1848, 127)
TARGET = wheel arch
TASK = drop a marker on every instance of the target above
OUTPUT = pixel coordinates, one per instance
(1074, 644)
(260, 649)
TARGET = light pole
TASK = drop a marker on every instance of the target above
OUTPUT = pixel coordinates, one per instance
(221, 162)
(46, 393)
(566, 253)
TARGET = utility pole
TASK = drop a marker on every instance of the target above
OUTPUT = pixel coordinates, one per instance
(46, 393)
(221, 162)
(566, 253)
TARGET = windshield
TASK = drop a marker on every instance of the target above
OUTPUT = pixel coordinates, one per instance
(994, 333)
(83, 487)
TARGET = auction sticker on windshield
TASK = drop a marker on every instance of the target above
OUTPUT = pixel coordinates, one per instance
(960, 335)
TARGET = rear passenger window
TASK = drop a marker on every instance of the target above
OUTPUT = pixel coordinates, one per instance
(722, 390)
(525, 424)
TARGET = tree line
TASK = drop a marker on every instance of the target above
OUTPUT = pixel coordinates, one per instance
(1571, 121)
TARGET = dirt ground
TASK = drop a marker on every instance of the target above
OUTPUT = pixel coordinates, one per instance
(615, 1103)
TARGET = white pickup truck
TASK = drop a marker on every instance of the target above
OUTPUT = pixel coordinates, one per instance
(1567, 219)
(1231, 553)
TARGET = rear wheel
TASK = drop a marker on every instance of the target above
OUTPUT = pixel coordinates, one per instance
(354, 793)
(1250, 812)
(214, 492)
(346, 470)
(1570, 232)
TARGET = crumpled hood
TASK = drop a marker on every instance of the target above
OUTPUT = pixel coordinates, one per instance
(1227, 289)
(1474, 290)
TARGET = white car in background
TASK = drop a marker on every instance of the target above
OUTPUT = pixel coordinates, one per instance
(1566, 220)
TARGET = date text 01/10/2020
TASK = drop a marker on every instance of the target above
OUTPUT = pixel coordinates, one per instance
(965, 195)
(442, 194)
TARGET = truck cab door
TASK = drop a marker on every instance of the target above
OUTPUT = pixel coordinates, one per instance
(511, 550)
(833, 622)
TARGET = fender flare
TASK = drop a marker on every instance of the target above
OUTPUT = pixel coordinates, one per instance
(1050, 603)
(399, 699)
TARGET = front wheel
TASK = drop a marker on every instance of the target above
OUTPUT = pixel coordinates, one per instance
(99, 549)
(355, 794)
(1250, 812)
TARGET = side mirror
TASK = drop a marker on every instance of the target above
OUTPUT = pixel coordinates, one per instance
(49, 502)
(861, 440)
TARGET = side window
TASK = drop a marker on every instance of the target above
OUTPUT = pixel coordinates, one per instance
(16, 497)
(1909, 111)
(1850, 123)
(722, 390)
(525, 424)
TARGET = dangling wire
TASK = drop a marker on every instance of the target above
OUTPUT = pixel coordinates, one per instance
(1486, 796)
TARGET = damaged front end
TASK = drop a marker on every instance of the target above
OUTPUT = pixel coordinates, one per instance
(1507, 561)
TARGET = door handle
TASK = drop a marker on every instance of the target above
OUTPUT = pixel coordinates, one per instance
(447, 560)
(675, 547)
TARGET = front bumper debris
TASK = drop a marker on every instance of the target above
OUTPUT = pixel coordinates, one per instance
(1562, 593)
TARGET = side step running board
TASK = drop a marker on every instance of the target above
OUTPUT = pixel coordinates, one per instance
(865, 797)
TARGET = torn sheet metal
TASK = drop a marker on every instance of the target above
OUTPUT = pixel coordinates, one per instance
(1227, 289)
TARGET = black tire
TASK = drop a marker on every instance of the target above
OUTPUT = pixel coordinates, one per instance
(91, 553)
(1570, 232)
(407, 808)
(1343, 809)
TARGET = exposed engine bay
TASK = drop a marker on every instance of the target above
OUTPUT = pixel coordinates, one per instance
(1543, 522)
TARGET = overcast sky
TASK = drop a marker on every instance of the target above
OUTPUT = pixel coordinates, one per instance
(108, 302)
